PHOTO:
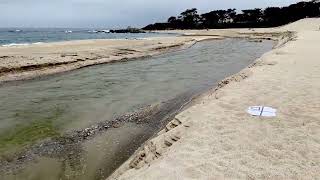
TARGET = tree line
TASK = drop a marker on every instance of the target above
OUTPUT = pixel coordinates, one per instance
(250, 18)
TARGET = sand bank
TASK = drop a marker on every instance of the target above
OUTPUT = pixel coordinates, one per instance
(35, 60)
(216, 139)
(25, 62)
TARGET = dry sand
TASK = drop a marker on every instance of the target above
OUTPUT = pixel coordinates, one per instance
(25, 62)
(217, 139)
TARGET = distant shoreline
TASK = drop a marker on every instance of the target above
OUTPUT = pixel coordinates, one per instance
(24, 36)
(42, 59)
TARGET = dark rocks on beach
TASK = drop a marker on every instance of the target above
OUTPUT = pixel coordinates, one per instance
(128, 30)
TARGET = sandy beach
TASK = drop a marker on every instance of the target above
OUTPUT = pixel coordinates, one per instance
(214, 138)
(109, 109)
(26, 62)
(38, 60)
(217, 139)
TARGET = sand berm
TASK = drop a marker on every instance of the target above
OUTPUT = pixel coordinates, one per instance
(216, 139)
(38, 60)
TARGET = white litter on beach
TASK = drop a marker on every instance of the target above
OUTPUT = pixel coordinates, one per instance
(262, 111)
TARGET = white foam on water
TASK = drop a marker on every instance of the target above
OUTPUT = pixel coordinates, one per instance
(20, 44)
(38, 43)
(15, 44)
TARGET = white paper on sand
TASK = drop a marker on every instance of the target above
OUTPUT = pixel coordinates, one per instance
(262, 111)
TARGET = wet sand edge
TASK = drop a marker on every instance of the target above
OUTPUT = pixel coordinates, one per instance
(154, 147)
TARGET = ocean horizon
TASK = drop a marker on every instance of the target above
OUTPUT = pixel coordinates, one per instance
(27, 36)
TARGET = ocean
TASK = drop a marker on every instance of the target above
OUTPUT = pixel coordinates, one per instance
(26, 36)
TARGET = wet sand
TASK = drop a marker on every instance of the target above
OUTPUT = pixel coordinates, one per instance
(217, 139)
(27, 62)
(38, 60)
(89, 98)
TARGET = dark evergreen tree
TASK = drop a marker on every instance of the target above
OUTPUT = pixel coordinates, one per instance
(250, 18)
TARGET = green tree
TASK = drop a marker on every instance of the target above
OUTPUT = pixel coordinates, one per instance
(190, 18)
(172, 19)
(253, 15)
(210, 20)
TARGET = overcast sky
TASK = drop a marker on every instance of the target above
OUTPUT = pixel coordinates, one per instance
(110, 13)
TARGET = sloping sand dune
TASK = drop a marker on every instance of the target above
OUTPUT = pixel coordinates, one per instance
(310, 24)
(217, 139)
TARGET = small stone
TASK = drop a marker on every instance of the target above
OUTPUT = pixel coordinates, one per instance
(116, 125)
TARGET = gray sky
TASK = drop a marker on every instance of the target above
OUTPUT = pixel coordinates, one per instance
(110, 13)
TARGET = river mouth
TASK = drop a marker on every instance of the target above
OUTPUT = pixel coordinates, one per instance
(66, 105)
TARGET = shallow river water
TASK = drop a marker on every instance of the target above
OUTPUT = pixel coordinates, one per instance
(47, 107)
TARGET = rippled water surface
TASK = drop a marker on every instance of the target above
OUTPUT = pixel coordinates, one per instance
(40, 108)
(25, 36)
